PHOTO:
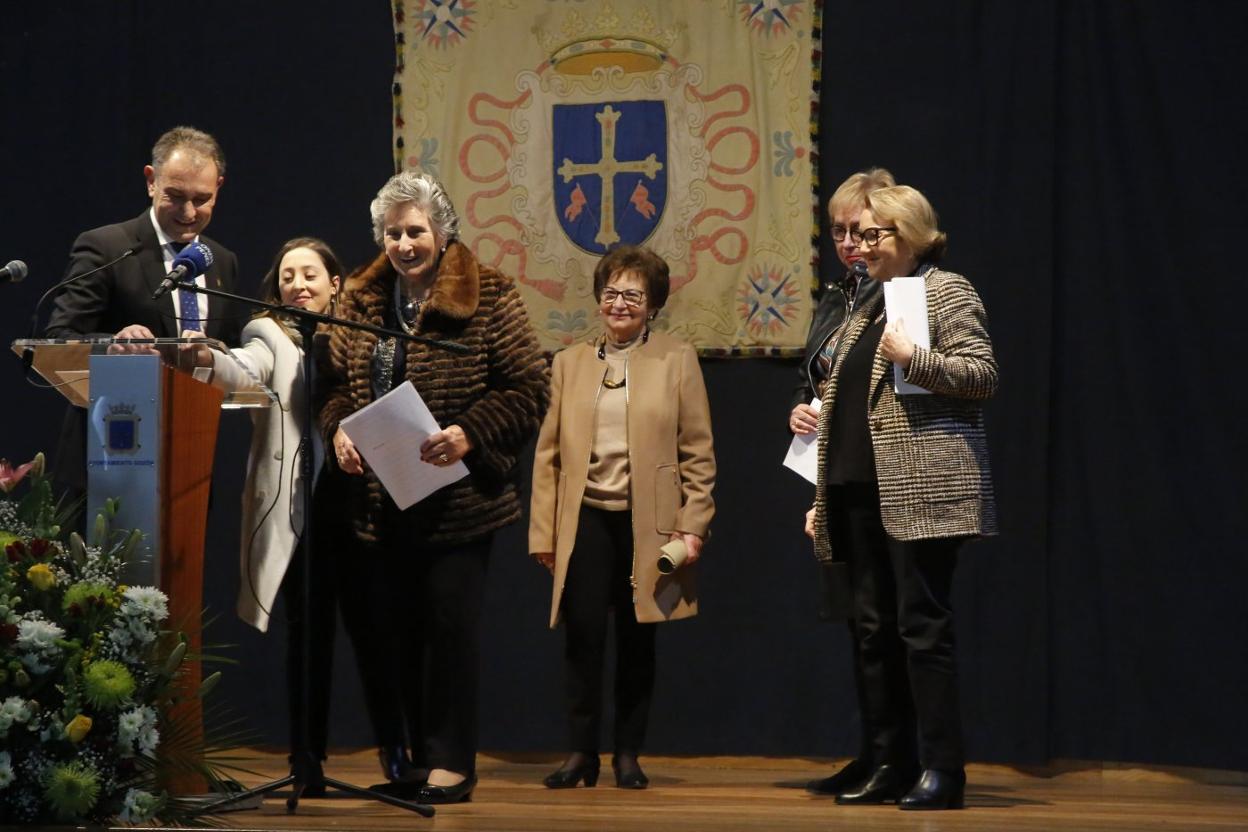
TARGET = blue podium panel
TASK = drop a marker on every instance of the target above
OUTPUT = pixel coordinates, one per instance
(124, 452)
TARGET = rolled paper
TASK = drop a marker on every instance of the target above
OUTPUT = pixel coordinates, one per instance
(674, 554)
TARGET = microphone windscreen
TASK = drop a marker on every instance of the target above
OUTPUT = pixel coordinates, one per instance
(16, 270)
(197, 258)
(860, 268)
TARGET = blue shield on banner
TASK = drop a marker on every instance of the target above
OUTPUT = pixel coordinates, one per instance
(610, 171)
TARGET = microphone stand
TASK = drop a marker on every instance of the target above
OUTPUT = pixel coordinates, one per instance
(302, 761)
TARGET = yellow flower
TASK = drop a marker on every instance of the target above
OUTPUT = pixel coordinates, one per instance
(41, 577)
(78, 728)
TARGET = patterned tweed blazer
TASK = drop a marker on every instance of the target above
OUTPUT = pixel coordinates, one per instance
(931, 454)
(497, 393)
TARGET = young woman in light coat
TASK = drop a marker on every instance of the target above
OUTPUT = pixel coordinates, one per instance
(305, 274)
(624, 465)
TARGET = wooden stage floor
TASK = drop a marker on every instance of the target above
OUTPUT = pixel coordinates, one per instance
(722, 794)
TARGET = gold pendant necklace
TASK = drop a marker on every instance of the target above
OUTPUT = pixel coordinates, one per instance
(602, 356)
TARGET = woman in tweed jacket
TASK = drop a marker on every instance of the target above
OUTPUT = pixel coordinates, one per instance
(429, 561)
(903, 481)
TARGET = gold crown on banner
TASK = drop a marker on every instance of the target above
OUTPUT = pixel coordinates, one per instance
(579, 45)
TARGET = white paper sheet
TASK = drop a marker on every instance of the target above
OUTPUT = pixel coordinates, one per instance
(803, 455)
(388, 433)
(906, 298)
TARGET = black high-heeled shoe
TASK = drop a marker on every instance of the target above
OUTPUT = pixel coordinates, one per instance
(628, 773)
(576, 768)
(461, 792)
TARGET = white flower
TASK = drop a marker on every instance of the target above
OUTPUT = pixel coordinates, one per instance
(141, 632)
(36, 634)
(137, 725)
(54, 730)
(6, 769)
(146, 601)
(139, 806)
(148, 740)
(14, 710)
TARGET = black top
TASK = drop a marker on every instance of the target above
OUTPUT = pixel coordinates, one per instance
(829, 315)
(850, 456)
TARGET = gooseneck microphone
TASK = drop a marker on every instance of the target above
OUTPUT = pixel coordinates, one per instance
(34, 316)
(190, 263)
(13, 272)
(28, 354)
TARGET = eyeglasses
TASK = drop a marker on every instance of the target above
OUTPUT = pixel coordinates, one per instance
(871, 236)
(632, 297)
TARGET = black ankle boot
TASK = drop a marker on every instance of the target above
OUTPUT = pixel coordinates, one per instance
(576, 768)
(628, 773)
(937, 790)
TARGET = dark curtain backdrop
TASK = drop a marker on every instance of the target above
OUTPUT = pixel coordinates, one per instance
(1086, 160)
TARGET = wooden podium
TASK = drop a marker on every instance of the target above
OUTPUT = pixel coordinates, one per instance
(151, 437)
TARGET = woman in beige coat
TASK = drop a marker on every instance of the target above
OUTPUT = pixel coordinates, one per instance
(624, 465)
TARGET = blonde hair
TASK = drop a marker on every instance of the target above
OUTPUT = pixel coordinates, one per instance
(914, 217)
(853, 191)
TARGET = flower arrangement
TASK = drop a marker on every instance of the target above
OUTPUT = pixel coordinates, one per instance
(86, 673)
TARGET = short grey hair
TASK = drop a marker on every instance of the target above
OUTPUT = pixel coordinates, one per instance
(423, 191)
(191, 139)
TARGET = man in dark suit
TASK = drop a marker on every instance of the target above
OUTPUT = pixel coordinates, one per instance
(185, 174)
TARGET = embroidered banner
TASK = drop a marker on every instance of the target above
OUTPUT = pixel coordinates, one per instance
(561, 128)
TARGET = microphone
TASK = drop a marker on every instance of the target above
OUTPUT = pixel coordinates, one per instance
(28, 354)
(860, 269)
(13, 272)
(190, 263)
(34, 316)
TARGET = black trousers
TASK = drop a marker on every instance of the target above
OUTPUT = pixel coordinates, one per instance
(597, 580)
(904, 630)
(312, 650)
(413, 616)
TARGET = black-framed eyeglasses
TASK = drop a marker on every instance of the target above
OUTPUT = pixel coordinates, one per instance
(632, 297)
(872, 236)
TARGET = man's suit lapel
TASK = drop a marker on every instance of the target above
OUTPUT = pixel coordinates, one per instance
(151, 261)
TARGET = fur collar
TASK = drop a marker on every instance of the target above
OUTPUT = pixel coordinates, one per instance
(456, 290)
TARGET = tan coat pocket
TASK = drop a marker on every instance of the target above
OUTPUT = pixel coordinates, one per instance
(666, 497)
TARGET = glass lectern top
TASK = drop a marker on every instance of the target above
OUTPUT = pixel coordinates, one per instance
(64, 364)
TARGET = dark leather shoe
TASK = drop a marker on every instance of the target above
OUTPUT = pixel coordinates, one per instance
(937, 790)
(850, 775)
(403, 791)
(459, 793)
(885, 784)
(397, 768)
(628, 773)
(576, 768)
